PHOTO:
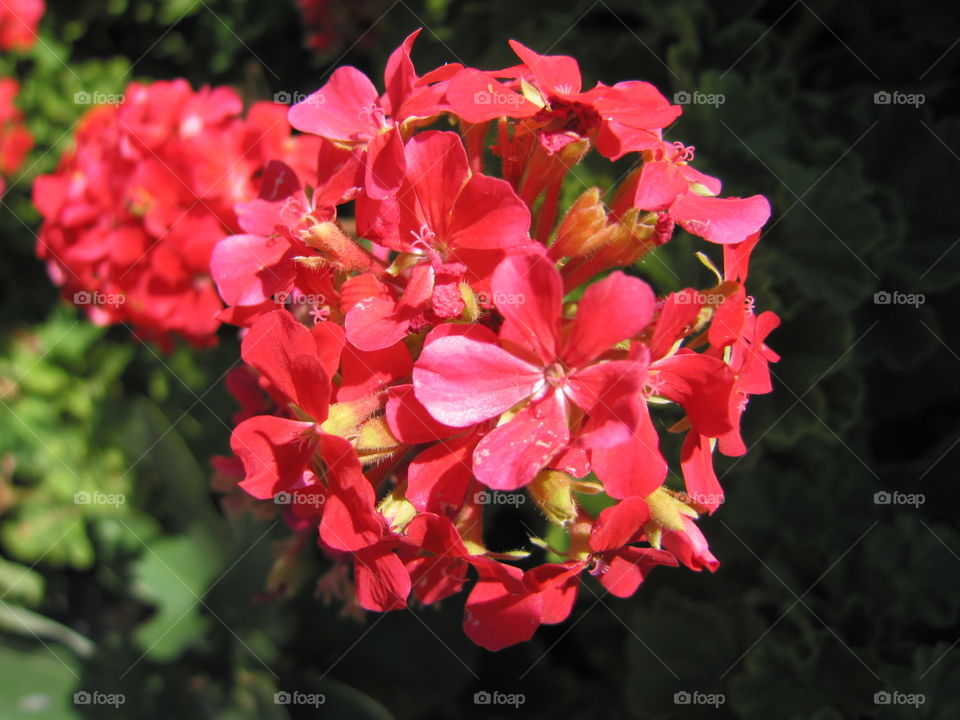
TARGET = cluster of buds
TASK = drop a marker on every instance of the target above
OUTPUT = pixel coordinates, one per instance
(462, 343)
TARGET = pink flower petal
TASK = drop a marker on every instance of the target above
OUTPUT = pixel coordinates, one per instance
(286, 354)
(274, 452)
(462, 381)
(511, 455)
(340, 110)
(528, 292)
(381, 579)
(611, 310)
(721, 220)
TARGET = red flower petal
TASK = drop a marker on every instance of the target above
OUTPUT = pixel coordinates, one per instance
(511, 455)
(340, 110)
(438, 477)
(721, 220)
(553, 73)
(702, 385)
(660, 184)
(630, 566)
(611, 310)
(635, 468)
(274, 452)
(409, 420)
(608, 392)
(381, 579)
(244, 268)
(690, 547)
(385, 164)
(528, 291)
(677, 317)
(488, 214)
(462, 381)
(696, 461)
(400, 75)
(619, 525)
(437, 168)
(286, 354)
(477, 97)
(362, 373)
(495, 617)
(728, 319)
(557, 585)
(350, 519)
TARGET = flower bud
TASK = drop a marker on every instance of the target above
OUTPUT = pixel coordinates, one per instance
(666, 513)
(553, 493)
(338, 248)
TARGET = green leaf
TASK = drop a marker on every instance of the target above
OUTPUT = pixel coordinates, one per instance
(57, 535)
(173, 575)
(20, 583)
(38, 684)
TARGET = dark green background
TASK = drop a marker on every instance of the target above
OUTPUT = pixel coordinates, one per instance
(823, 597)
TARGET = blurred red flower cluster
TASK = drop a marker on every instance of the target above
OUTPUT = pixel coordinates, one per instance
(131, 215)
(18, 23)
(15, 139)
(18, 33)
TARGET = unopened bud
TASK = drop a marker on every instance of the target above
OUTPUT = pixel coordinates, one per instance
(375, 442)
(397, 510)
(666, 512)
(338, 248)
(578, 231)
(553, 493)
(471, 310)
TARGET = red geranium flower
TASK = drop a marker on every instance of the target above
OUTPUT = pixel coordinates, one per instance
(541, 369)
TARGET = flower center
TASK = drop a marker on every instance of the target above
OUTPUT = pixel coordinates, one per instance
(555, 374)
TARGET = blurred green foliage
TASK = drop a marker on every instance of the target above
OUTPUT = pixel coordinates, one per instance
(824, 597)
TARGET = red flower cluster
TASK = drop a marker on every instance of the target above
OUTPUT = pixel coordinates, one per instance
(18, 23)
(15, 139)
(479, 347)
(133, 212)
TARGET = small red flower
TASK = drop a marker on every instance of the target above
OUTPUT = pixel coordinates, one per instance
(538, 369)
